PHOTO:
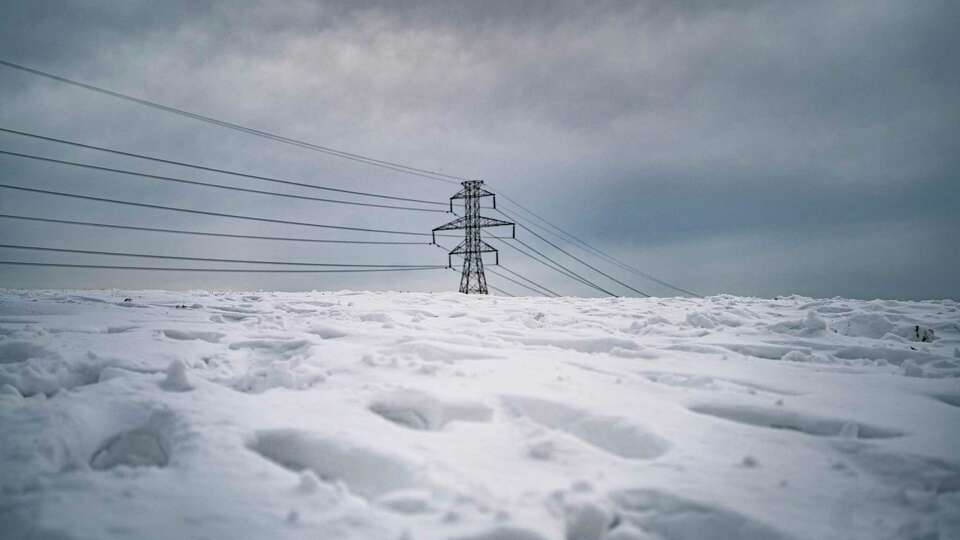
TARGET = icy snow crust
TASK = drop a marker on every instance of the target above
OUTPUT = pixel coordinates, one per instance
(399, 415)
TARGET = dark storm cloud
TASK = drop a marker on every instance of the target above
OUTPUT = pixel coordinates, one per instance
(792, 133)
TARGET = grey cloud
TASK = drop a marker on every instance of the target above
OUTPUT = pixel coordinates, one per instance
(642, 125)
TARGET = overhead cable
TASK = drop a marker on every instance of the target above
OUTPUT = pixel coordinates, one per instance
(574, 257)
(217, 270)
(210, 185)
(213, 234)
(570, 238)
(218, 170)
(207, 213)
(210, 259)
(394, 166)
(550, 263)
(528, 280)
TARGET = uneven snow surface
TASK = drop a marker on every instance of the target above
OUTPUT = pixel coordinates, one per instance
(404, 416)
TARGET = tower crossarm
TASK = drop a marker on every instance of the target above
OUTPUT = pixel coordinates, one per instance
(479, 192)
(493, 222)
(462, 223)
(462, 249)
(459, 223)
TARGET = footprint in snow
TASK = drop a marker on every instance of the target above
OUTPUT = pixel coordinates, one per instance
(417, 410)
(612, 434)
(780, 418)
(368, 472)
(670, 516)
(144, 446)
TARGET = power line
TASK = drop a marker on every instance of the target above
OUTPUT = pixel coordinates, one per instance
(499, 290)
(574, 257)
(218, 235)
(218, 170)
(528, 280)
(220, 270)
(209, 185)
(559, 267)
(210, 259)
(573, 240)
(207, 213)
(398, 167)
(552, 264)
(515, 282)
(594, 250)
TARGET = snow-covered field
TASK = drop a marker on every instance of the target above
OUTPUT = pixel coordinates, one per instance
(406, 415)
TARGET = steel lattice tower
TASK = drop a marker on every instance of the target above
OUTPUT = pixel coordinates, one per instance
(472, 248)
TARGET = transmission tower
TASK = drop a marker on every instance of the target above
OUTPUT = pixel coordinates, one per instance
(472, 248)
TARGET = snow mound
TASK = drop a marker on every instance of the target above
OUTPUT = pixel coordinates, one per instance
(176, 379)
(871, 325)
(585, 516)
(293, 375)
(325, 331)
(810, 325)
(877, 325)
(49, 373)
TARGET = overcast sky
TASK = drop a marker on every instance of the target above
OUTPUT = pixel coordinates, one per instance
(757, 148)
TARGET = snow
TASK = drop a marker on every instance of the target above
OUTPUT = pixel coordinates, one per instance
(152, 414)
(177, 380)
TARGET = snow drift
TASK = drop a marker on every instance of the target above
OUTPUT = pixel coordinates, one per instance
(389, 416)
